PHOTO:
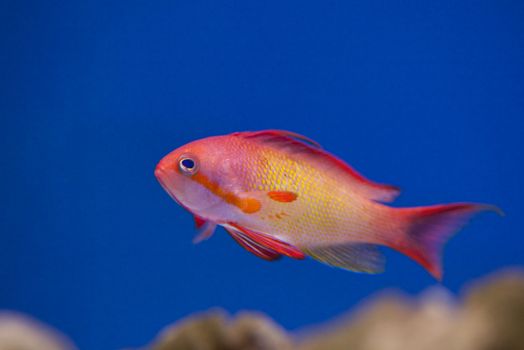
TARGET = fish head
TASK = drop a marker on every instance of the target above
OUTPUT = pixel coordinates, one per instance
(196, 175)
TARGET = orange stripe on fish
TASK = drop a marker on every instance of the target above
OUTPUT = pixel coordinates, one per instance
(247, 205)
(282, 196)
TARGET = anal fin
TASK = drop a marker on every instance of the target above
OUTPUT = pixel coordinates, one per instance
(357, 257)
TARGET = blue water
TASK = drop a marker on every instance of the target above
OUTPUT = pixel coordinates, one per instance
(428, 96)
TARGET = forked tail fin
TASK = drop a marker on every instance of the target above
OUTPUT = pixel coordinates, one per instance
(426, 229)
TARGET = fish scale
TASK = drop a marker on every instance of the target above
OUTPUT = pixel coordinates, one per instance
(318, 211)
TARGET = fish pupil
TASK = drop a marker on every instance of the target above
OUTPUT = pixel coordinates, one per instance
(187, 163)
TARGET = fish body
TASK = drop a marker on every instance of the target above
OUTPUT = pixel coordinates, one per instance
(280, 194)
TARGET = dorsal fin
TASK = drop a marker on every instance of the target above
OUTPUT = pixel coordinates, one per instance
(281, 133)
(301, 146)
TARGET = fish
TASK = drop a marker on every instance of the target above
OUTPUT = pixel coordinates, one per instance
(279, 193)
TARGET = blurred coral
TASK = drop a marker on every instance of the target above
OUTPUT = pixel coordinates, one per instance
(490, 316)
(214, 331)
(20, 332)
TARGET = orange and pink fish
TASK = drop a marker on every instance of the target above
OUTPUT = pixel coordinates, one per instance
(278, 193)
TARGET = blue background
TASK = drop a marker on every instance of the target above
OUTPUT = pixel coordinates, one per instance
(425, 95)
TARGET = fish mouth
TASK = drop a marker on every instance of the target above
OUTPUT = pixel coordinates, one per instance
(162, 176)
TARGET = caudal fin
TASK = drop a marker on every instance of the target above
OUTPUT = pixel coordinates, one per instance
(426, 229)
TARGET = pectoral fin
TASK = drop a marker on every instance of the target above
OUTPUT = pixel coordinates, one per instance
(205, 229)
(358, 257)
(199, 222)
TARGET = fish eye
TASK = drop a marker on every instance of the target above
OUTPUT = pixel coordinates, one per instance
(188, 165)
